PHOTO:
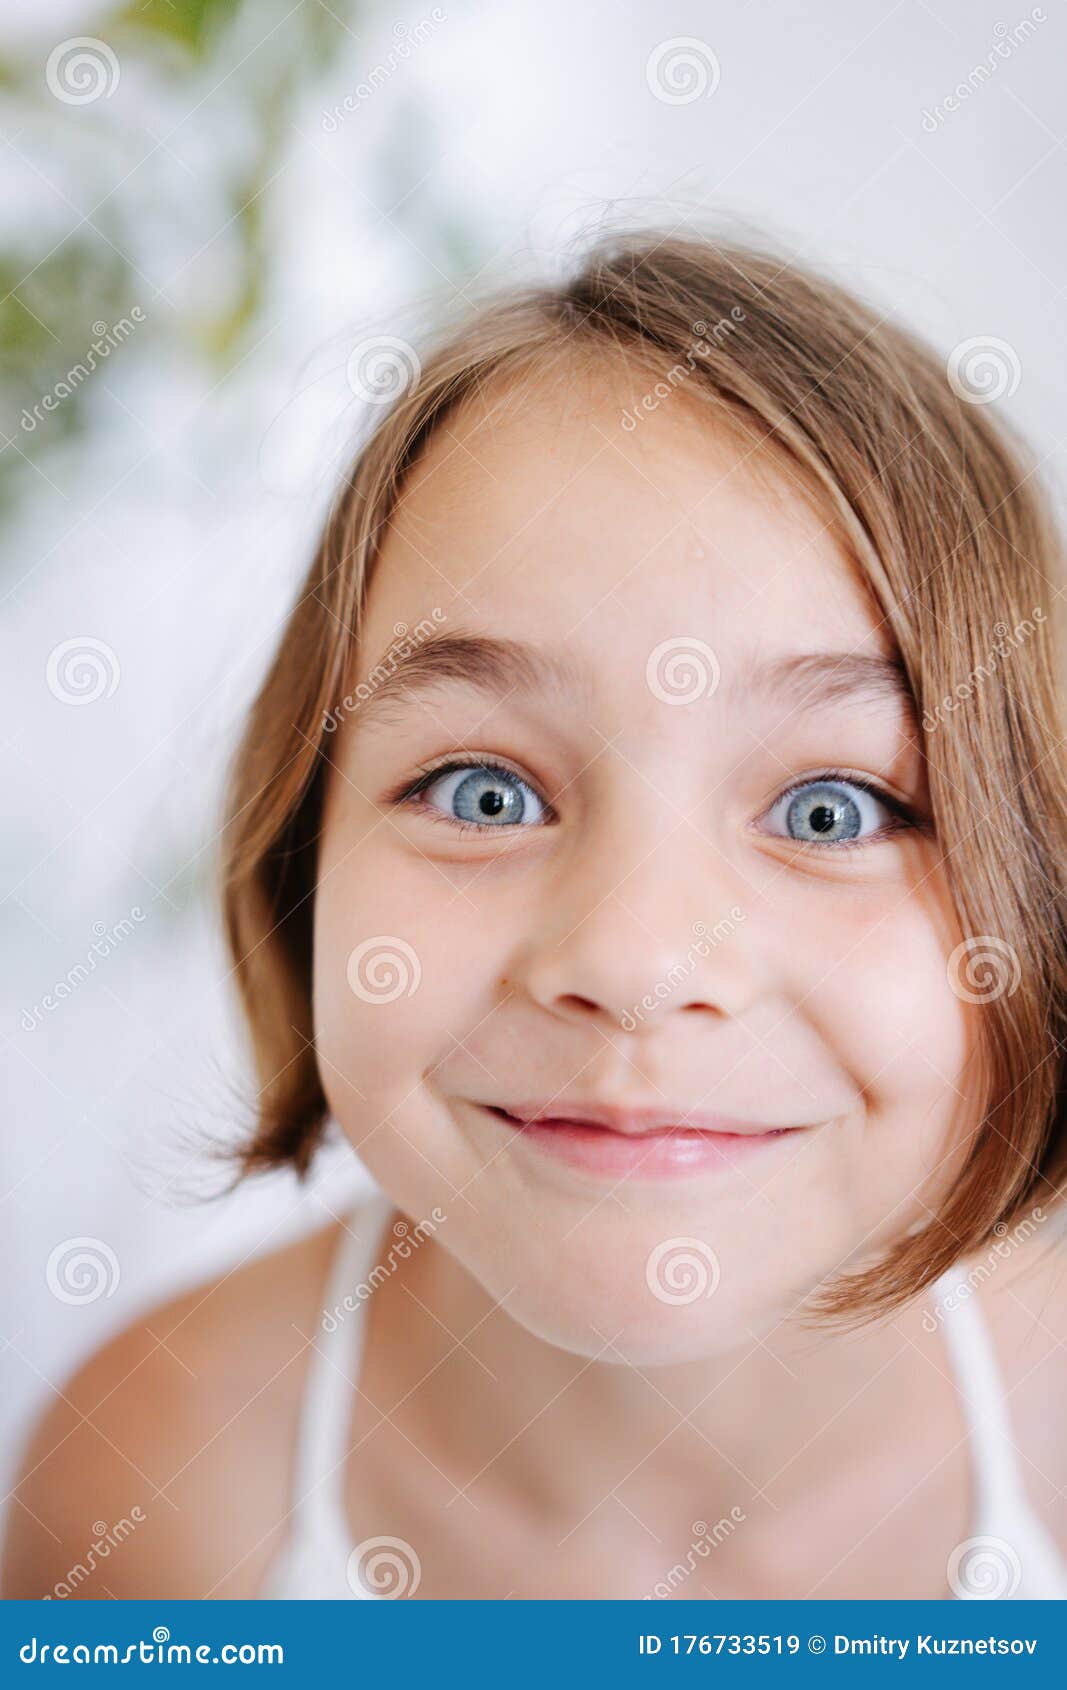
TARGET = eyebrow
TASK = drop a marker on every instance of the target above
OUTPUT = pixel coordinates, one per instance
(498, 666)
(485, 662)
(816, 678)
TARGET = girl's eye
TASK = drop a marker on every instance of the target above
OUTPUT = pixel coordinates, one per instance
(834, 812)
(830, 810)
(480, 795)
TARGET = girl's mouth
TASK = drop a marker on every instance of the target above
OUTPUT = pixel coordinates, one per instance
(638, 1143)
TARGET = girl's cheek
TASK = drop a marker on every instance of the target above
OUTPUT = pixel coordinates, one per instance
(399, 976)
(884, 1005)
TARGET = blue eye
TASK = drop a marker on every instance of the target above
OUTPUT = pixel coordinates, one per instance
(481, 795)
(833, 812)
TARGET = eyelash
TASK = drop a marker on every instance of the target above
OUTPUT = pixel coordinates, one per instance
(413, 790)
(905, 816)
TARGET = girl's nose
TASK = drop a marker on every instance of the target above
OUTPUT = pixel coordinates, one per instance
(629, 959)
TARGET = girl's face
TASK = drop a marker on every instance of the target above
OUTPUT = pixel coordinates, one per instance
(627, 827)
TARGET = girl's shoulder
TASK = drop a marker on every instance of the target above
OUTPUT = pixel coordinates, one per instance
(163, 1467)
(1020, 1280)
(1021, 1283)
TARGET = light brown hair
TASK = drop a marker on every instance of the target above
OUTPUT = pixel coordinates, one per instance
(939, 511)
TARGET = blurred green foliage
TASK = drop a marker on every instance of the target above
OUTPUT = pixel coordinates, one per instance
(106, 169)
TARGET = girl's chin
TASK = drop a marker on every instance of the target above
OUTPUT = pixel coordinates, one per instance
(617, 1336)
(652, 1298)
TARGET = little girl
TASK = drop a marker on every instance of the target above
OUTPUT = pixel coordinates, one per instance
(648, 850)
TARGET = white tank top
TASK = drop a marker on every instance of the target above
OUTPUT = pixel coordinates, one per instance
(1009, 1553)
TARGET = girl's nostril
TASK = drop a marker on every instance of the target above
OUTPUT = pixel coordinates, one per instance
(573, 1000)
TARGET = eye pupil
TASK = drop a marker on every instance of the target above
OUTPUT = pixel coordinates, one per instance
(824, 812)
(489, 795)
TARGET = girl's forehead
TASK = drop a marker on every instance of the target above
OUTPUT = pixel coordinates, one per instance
(561, 573)
(560, 521)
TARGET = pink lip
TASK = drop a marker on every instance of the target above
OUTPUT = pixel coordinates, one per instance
(642, 1143)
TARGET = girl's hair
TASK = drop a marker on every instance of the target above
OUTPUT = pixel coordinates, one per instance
(940, 516)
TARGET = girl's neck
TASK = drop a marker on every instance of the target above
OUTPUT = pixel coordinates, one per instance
(493, 1405)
